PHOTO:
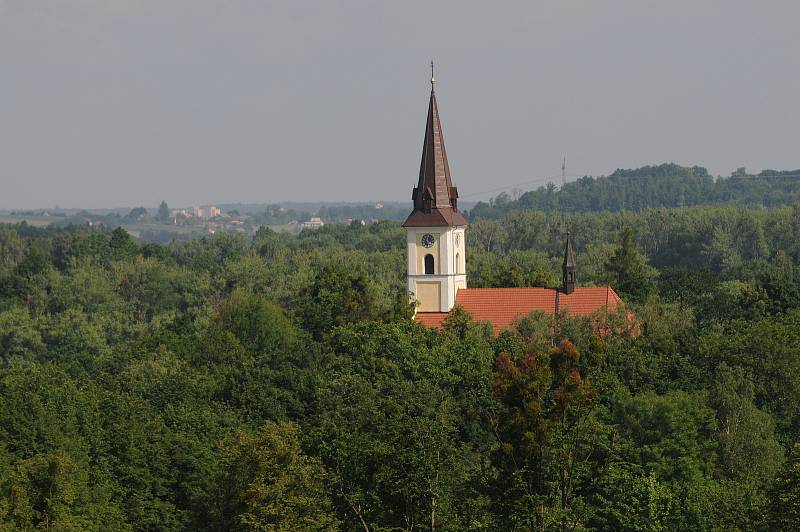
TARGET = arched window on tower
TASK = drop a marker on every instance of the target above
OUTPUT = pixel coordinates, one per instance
(458, 263)
(429, 264)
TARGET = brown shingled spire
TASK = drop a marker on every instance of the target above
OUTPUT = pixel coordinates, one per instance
(569, 268)
(435, 197)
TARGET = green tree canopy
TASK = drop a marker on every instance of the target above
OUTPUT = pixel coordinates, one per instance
(268, 483)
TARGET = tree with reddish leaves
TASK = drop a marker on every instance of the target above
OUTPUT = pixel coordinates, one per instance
(545, 434)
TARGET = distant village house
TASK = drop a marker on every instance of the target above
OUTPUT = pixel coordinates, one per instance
(313, 223)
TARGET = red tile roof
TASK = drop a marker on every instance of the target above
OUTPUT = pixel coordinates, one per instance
(431, 319)
(502, 306)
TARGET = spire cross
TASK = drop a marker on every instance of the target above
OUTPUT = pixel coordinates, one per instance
(433, 80)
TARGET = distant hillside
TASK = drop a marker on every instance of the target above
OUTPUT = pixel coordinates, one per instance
(665, 185)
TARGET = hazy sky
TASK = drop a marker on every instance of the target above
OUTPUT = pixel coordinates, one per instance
(126, 102)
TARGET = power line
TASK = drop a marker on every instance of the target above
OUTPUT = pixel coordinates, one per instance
(539, 180)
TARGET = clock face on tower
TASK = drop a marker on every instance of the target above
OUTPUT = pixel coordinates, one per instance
(427, 240)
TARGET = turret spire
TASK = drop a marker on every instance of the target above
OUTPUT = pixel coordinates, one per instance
(569, 268)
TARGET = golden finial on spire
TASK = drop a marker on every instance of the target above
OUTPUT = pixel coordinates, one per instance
(433, 79)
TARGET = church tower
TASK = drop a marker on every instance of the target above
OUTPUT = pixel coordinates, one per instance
(435, 228)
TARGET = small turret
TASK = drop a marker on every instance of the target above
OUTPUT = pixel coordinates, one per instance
(569, 269)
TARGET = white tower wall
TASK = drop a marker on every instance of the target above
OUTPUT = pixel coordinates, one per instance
(436, 292)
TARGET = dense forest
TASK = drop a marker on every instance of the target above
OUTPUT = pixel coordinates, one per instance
(278, 382)
(666, 185)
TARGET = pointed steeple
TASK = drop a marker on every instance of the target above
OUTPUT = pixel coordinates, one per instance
(569, 268)
(435, 197)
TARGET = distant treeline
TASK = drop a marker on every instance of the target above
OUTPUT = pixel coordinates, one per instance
(278, 214)
(665, 185)
(341, 213)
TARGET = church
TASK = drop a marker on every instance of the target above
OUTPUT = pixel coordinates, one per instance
(436, 252)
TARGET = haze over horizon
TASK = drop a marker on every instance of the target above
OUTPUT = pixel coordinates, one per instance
(124, 103)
